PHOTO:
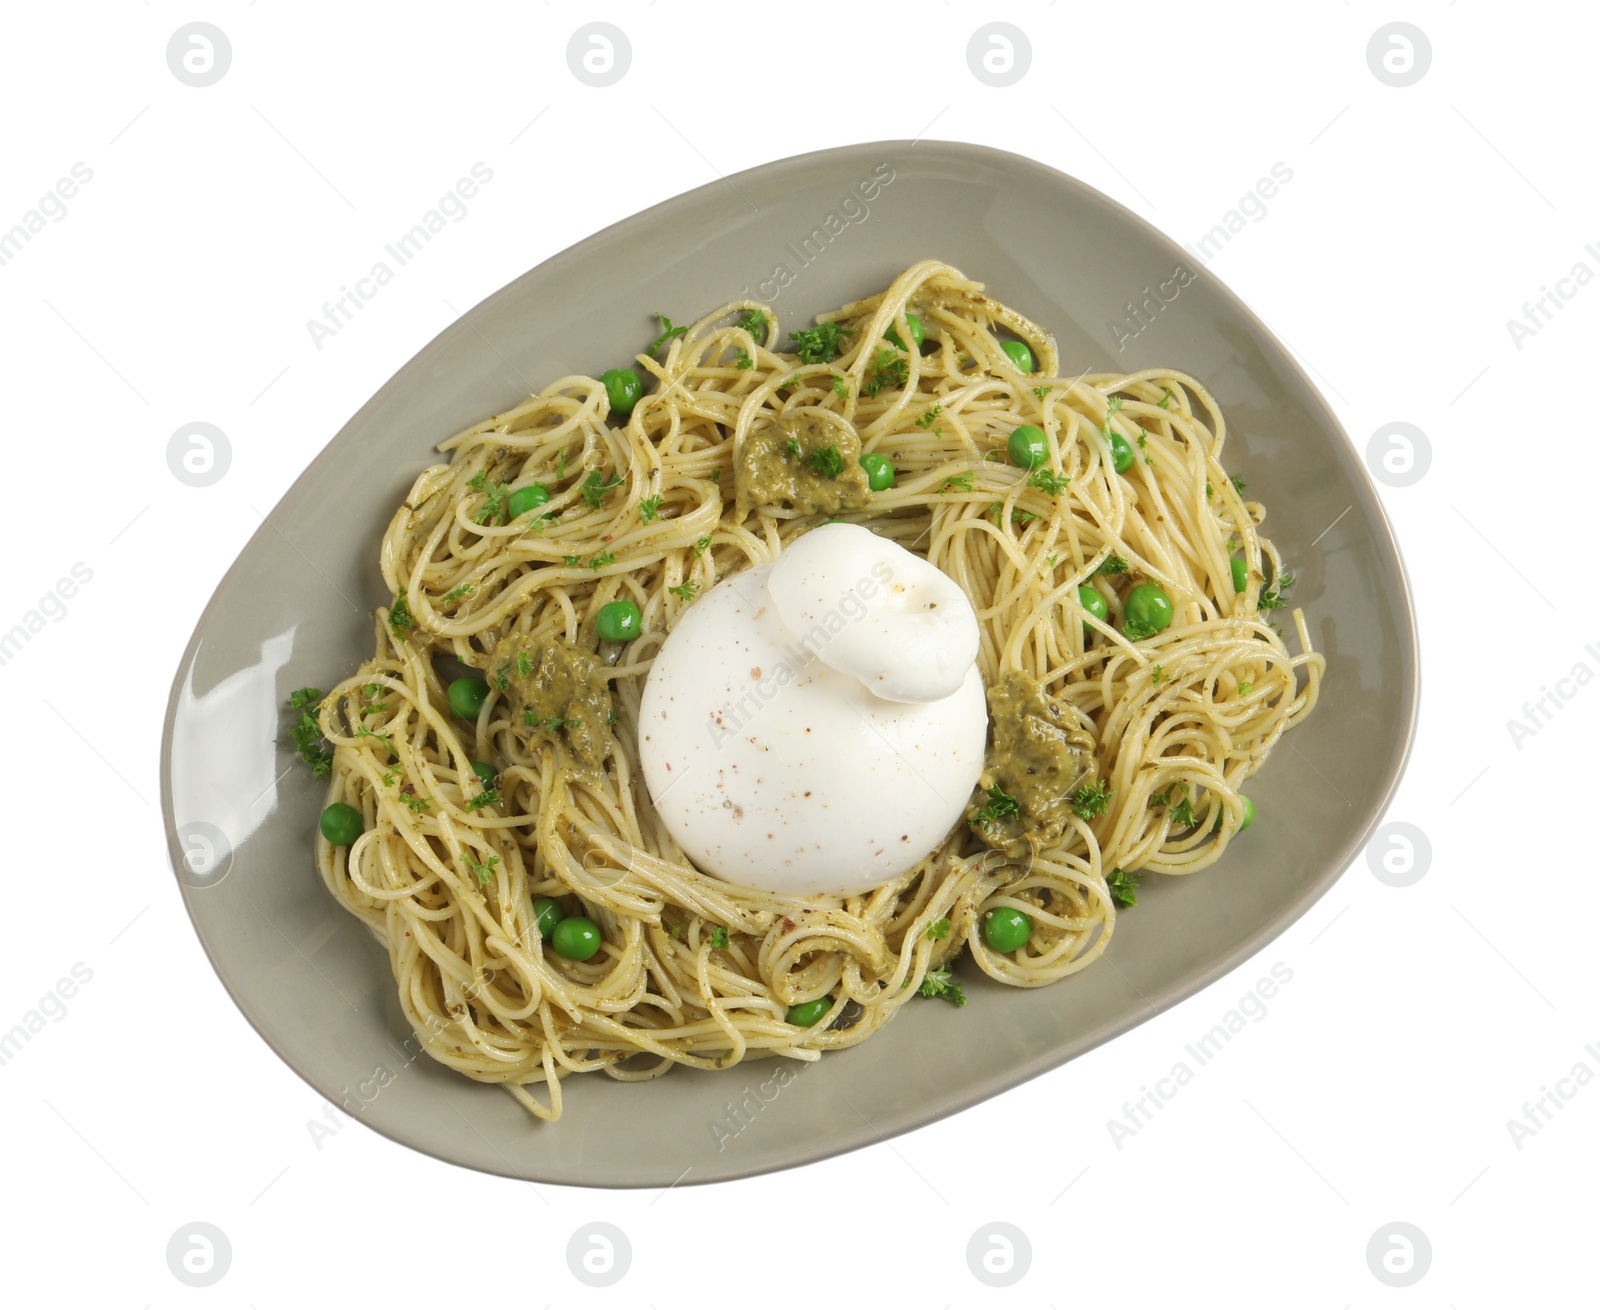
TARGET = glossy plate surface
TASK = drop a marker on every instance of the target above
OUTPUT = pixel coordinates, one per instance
(807, 233)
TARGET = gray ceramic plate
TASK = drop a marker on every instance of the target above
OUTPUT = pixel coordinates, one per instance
(808, 233)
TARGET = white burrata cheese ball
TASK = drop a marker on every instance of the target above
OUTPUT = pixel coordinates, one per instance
(817, 725)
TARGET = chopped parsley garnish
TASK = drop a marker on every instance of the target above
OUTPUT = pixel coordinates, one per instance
(685, 590)
(416, 803)
(1239, 484)
(841, 387)
(1018, 516)
(719, 938)
(494, 493)
(1166, 395)
(926, 421)
(1112, 565)
(561, 465)
(1208, 491)
(553, 724)
(818, 345)
(1052, 560)
(595, 487)
(826, 461)
(502, 677)
(401, 622)
(1245, 688)
(888, 369)
(667, 333)
(488, 796)
(1052, 484)
(1165, 797)
(1124, 887)
(1113, 405)
(1042, 392)
(604, 560)
(791, 382)
(1155, 674)
(958, 481)
(938, 983)
(572, 561)
(1272, 597)
(363, 731)
(306, 733)
(701, 544)
(649, 508)
(1090, 800)
(484, 870)
(937, 931)
(465, 589)
(792, 447)
(754, 322)
(524, 664)
(999, 806)
(1183, 813)
(741, 358)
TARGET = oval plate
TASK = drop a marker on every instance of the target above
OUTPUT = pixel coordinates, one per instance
(808, 234)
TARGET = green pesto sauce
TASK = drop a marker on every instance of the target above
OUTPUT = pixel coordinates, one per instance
(564, 695)
(784, 463)
(1038, 756)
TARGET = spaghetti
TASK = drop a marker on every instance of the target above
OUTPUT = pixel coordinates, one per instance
(697, 971)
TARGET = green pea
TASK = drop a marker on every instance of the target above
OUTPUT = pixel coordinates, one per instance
(1241, 573)
(485, 772)
(1007, 929)
(1028, 447)
(576, 938)
(1093, 603)
(1121, 453)
(341, 824)
(1249, 812)
(880, 471)
(808, 1012)
(618, 621)
(525, 498)
(623, 389)
(1145, 612)
(547, 914)
(1019, 354)
(912, 322)
(466, 696)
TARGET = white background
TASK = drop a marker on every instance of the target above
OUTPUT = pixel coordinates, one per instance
(1419, 1020)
